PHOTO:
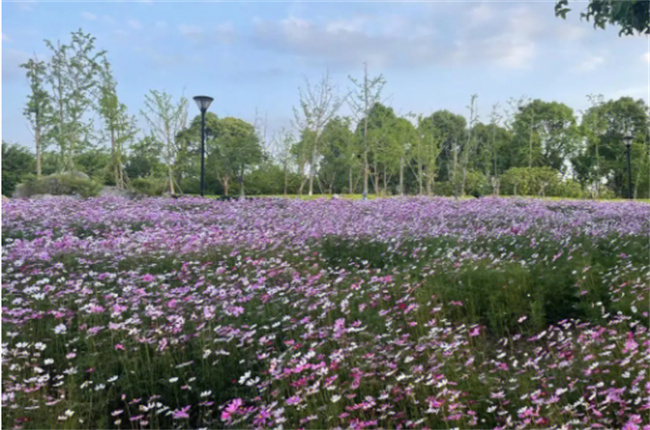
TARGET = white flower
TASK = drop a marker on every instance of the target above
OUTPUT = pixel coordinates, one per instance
(172, 380)
(61, 328)
(336, 398)
(48, 361)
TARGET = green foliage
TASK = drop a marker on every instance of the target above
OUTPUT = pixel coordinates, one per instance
(528, 181)
(150, 186)
(72, 77)
(69, 183)
(630, 15)
(17, 163)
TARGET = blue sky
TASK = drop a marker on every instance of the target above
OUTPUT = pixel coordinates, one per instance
(252, 56)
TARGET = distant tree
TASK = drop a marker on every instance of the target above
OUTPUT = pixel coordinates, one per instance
(72, 76)
(238, 148)
(545, 134)
(318, 105)
(405, 138)
(17, 162)
(630, 15)
(615, 118)
(120, 128)
(363, 96)
(144, 159)
(337, 163)
(469, 149)
(38, 106)
(166, 119)
(426, 151)
(452, 129)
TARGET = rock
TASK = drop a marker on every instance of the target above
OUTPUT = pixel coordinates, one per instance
(115, 192)
(41, 196)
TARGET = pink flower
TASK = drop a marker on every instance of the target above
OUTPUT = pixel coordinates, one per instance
(293, 400)
(475, 332)
(148, 277)
(231, 409)
(182, 414)
(119, 346)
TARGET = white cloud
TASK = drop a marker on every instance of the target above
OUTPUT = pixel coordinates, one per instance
(193, 32)
(225, 33)
(5, 38)
(135, 24)
(646, 57)
(161, 25)
(589, 64)
(480, 14)
(88, 16)
(571, 33)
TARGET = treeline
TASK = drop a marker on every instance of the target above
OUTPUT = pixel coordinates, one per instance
(527, 147)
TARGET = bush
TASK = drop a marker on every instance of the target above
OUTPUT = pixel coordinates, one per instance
(73, 183)
(149, 186)
(528, 181)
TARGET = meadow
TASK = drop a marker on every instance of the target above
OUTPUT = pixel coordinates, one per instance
(392, 313)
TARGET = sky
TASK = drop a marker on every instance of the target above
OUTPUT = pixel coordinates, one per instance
(253, 56)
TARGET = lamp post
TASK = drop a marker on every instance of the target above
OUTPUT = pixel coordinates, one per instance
(628, 143)
(203, 102)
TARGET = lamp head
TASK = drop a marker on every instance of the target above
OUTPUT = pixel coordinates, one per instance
(203, 102)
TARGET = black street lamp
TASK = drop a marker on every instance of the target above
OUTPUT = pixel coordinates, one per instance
(628, 143)
(203, 102)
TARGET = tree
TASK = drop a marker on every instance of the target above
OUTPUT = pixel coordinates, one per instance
(426, 151)
(364, 96)
(166, 119)
(17, 162)
(144, 159)
(615, 118)
(72, 75)
(545, 134)
(470, 146)
(630, 15)
(338, 160)
(451, 128)
(318, 105)
(38, 106)
(238, 147)
(119, 126)
(406, 137)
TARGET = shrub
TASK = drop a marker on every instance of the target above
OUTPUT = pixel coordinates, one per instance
(71, 183)
(150, 186)
(528, 181)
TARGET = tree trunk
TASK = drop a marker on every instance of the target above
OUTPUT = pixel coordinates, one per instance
(226, 183)
(420, 188)
(241, 182)
(38, 151)
(401, 176)
(350, 190)
(365, 173)
(312, 169)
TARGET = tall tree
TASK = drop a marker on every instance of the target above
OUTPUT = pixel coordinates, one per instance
(38, 106)
(364, 95)
(619, 117)
(120, 128)
(451, 128)
(72, 76)
(338, 153)
(318, 105)
(470, 146)
(545, 134)
(166, 119)
(426, 151)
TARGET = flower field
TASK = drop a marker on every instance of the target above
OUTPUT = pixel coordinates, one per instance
(395, 313)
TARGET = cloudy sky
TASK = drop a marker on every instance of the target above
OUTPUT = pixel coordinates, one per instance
(252, 56)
